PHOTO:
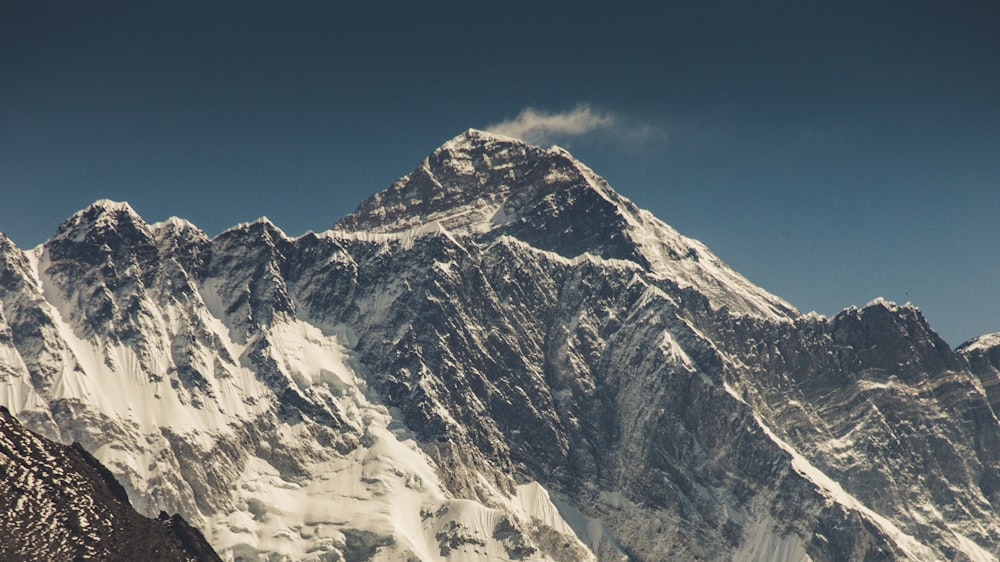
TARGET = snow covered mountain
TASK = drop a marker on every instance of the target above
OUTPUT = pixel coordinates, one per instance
(497, 358)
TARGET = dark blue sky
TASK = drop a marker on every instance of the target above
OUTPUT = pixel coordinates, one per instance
(832, 152)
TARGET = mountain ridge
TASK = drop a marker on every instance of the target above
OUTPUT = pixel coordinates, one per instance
(440, 379)
(60, 503)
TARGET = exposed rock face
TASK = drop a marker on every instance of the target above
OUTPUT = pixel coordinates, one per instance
(59, 503)
(983, 355)
(497, 358)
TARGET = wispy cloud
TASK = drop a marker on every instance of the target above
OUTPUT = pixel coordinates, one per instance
(583, 121)
(539, 127)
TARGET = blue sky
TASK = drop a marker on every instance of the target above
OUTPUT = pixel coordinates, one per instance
(831, 152)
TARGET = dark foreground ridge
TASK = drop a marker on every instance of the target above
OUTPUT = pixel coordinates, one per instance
(60, 503)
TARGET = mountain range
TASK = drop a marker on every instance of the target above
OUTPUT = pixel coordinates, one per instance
(496, 358)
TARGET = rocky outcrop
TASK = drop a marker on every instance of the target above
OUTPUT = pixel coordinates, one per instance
(60, 503)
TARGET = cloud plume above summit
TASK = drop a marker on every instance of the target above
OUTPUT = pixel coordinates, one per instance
(540, 127)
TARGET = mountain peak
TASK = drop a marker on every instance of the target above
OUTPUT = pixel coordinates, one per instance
(100, 219)
(112, 206)
(485, 185)
(477, 138)
(174, 225)
(261, 226)
(475, 182)
(461, 184)
(980, 343)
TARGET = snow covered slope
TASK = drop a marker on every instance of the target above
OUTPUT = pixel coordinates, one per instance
(497, 358)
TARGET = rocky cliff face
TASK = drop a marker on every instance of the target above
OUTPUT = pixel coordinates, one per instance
(59, 503)
(497, 358)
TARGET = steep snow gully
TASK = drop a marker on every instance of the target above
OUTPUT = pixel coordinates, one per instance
(496, 358)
